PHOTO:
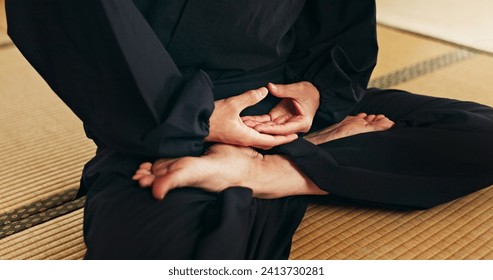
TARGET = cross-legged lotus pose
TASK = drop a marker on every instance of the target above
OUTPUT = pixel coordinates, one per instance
(215, 119)
(269, 176)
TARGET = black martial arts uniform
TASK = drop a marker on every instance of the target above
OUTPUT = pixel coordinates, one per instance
(143, 76)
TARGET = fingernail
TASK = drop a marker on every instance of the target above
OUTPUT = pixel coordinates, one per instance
(273, 86)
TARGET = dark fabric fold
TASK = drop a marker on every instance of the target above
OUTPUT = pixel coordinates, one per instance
(336, 52)
(105, 62)
(123, 221)
(438, 151)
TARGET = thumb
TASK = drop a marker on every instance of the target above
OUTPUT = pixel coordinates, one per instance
(248, 98)
(282, 91)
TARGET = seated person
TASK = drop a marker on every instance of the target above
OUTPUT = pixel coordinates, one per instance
(239, 109)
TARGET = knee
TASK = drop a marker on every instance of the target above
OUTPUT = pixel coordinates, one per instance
(123, 221)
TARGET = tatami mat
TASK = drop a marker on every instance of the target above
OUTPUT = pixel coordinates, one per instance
(42, 142)
(39, 212)
(3, 24)
(58, 239)
(4, 40)
(400, 49)
(421, 68)
(468, 80)
(462, 229)
(465, 23)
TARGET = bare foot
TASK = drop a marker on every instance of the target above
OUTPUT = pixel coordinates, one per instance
(225, 166)
(351, 125)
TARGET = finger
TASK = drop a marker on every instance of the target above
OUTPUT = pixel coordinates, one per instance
(266, 124)
(267, 141)
(281, 119)
(248, 98)
(284, 91)
(362, 115)
(250, 124)
(281, 129)
(260, 118)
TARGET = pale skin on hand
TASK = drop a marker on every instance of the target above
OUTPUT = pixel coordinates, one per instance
(294, 113)
(269, 176)
(226, 125)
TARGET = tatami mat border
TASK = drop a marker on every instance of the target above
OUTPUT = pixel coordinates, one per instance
(37, 213)
(59, 238)
(420, 69)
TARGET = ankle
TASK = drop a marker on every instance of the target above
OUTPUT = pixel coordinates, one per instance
(286, 179)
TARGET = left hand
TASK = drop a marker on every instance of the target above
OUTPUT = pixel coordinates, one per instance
(227, 127)
(293, 114)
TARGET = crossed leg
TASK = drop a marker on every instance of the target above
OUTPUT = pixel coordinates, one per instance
(269, 176)
(123, 221)
(438, 150)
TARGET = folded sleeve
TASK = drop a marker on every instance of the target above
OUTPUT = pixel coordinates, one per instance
(105, 62)
(336, 50)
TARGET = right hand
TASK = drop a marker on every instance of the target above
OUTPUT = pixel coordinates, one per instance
(293, 114)
(226, 125)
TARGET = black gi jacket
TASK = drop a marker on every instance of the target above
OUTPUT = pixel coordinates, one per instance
(149, 92)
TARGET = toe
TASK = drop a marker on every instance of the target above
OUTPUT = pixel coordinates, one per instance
(146, 165)
(163, 184)
(147, 181)
(143, 171)
(162, 163)
(370, 118)
(137, 177)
